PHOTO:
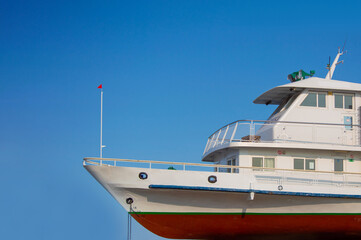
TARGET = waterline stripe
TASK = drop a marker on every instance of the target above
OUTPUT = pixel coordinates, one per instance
(235, 190)
(240, 213)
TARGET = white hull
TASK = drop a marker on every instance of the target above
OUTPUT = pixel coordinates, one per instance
(182, 191)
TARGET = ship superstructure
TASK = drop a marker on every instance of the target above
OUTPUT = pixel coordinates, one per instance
(298, 172)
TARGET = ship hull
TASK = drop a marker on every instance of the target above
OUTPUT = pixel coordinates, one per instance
(237, 225)
(194, 214)
(169, 204)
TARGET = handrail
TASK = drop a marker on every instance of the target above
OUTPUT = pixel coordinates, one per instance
(89, 159)
(270, 121)
(269, 131)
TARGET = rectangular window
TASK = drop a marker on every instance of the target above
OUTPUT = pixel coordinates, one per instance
(299, 163)
(315, 100)
(263, 162)
(232, 162)
(304, 164)
(257, 162)
(338, 101)
(310, 164)
(343, 101)
(229, 162)
(322, 100)
(269, 162)
(348, 102)
(338, 165)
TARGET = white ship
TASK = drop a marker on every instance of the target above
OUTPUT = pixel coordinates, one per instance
(299, 172)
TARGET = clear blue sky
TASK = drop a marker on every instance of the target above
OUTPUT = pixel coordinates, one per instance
(172, 72)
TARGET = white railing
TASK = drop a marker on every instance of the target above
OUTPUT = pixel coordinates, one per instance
(282, 131)
(260, 175)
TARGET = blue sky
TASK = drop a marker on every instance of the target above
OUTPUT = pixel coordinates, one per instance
(172, 71)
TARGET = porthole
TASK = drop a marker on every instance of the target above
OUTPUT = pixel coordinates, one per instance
(280, 187)
(129, 200)
(212, 179)
(143, 175)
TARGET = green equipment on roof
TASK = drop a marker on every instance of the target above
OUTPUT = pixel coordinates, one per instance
(296, 76)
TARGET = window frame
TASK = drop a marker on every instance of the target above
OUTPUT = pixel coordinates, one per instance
(263, 162)
(317, 100)
(309, 160)
(344, 101)
(343, 165)
(352, 95)
(232, 161)
(304, 163)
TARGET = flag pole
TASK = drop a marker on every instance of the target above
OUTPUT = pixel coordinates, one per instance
(101, 124)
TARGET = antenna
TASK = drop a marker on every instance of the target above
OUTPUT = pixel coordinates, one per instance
(329, 63)
(331, 68)
(344, 44)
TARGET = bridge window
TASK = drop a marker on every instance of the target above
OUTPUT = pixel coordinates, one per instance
(348, 102)
(310, 100)
(315, 100)
(304, 164)
(321, 99)
(344, 101)
(285, 105)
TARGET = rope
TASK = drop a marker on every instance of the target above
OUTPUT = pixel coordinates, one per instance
(129, 230)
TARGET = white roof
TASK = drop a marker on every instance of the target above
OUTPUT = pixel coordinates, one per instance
(278, 94)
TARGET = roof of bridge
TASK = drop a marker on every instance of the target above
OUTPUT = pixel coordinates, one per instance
(278, 94)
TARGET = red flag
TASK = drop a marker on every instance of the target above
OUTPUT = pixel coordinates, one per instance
(100, 86)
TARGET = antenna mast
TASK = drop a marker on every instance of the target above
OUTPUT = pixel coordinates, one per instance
(332, 68)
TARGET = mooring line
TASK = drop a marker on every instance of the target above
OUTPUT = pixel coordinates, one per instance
(129, 231)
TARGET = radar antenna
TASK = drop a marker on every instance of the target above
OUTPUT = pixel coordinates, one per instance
(331, 68)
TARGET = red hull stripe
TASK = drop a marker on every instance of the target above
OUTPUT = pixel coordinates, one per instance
(235, 190)
(228, 225)
(237, 213)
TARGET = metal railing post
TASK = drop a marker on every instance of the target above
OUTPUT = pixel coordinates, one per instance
(216, 140)
(234, 132)
(224, 136)
(210, 143)
(205, 149)
(251, 131)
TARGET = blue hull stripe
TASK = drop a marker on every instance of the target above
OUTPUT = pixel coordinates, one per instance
(235, 190)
